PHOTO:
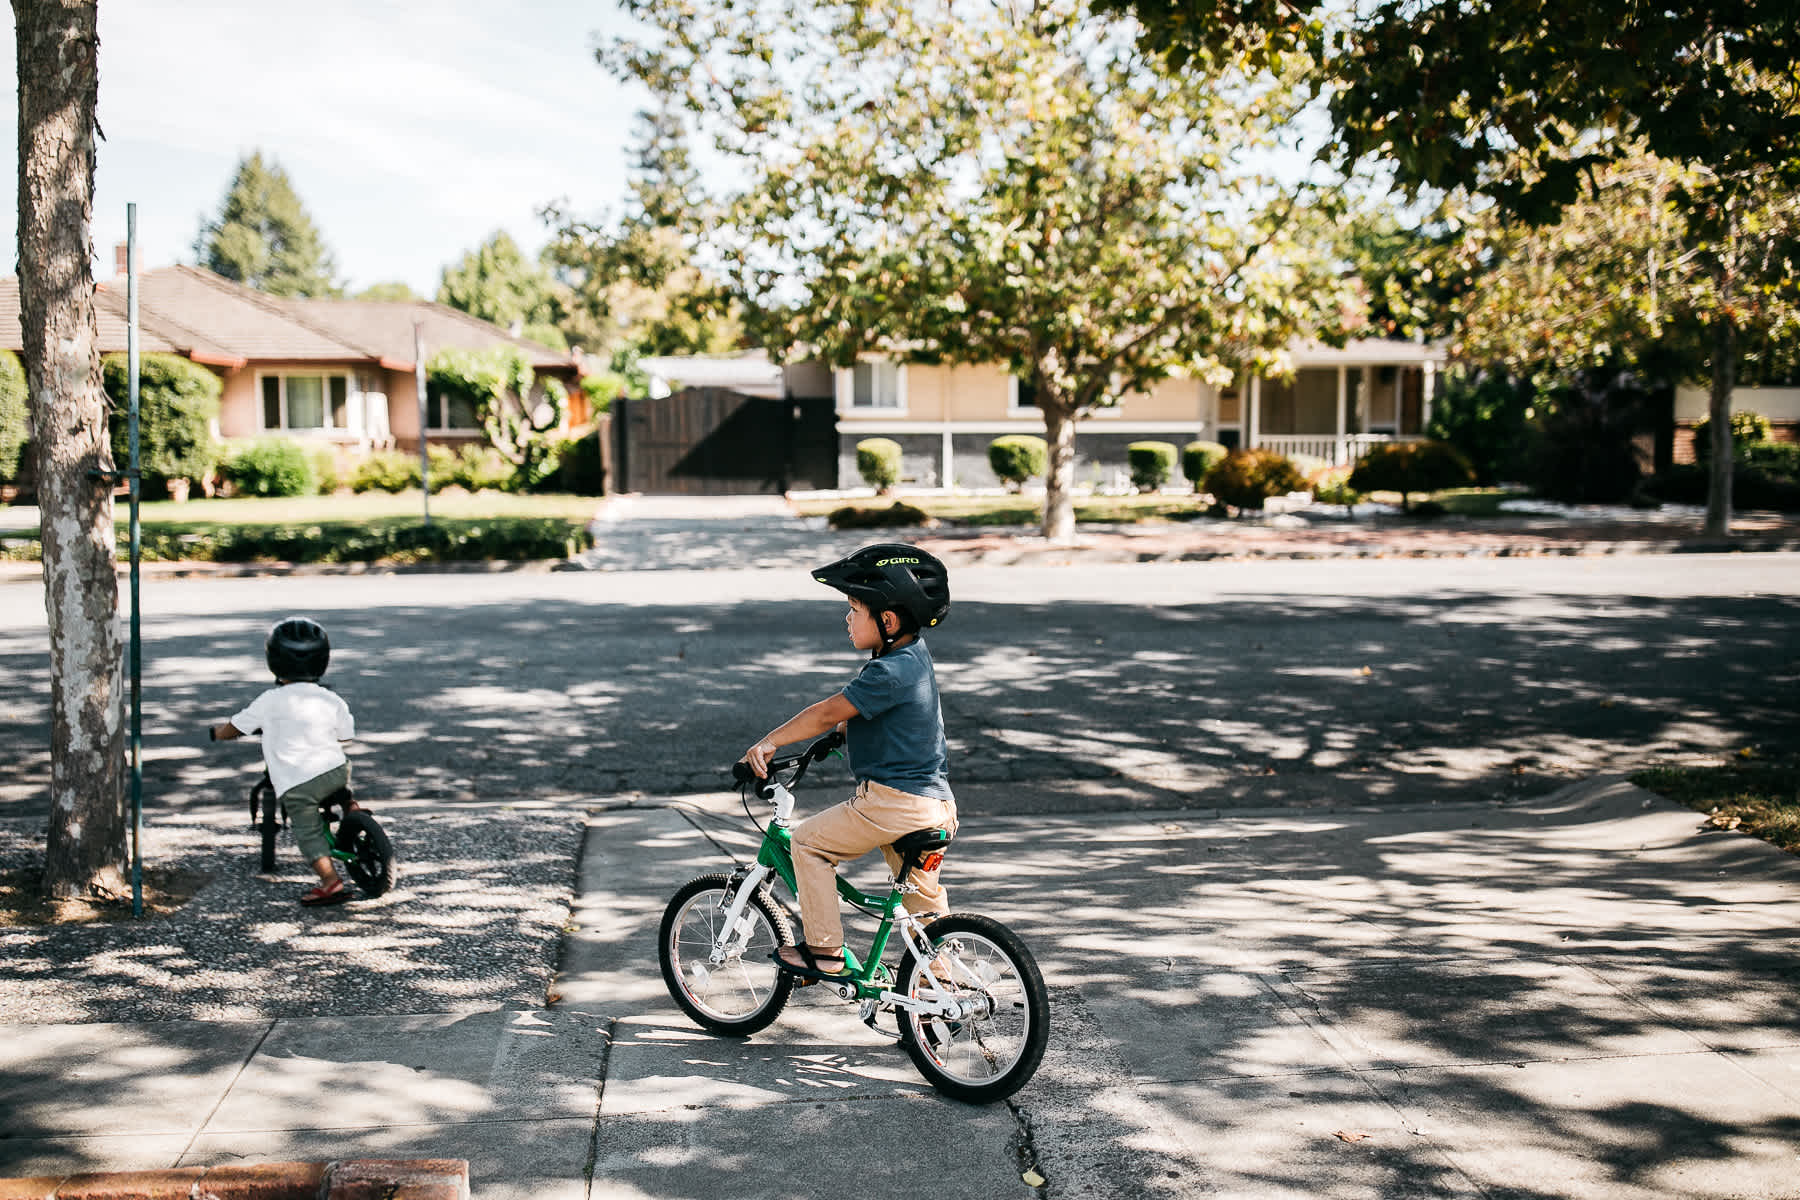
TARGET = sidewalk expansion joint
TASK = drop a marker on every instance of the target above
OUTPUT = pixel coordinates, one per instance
(220, 1102)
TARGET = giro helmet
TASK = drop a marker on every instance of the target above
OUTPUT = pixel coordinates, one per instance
(892, 577)
(298, 650)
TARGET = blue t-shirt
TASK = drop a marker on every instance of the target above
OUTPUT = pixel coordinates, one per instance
(898, 736)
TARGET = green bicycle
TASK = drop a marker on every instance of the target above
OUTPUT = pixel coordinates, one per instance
(973, 1011)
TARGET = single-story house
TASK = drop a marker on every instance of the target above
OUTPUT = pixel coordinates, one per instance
(1693, 404)
(336, 372)
(1337, 403)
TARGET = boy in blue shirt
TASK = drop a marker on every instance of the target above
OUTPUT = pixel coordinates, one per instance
(894, 731)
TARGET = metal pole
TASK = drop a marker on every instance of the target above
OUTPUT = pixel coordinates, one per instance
(419, 386)
(137, 659)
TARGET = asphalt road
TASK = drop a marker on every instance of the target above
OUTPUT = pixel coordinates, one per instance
(1240, 684)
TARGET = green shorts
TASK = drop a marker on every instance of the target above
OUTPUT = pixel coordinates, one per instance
(302, 805)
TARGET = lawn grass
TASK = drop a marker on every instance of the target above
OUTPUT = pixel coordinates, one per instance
(1758, 797)
(382, 508)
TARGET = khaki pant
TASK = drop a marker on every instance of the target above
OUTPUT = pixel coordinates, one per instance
(876, 816)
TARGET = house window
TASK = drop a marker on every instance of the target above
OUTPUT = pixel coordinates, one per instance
(875, 385)
(450, 414)
(1024, 396)
(303, 402)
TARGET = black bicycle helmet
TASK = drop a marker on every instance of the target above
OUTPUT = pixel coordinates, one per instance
(892, 577)
(298, 650)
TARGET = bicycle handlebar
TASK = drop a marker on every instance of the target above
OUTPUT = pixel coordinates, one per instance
(742, 774)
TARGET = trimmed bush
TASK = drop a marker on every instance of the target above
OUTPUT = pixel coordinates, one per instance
(1151, 464)
(1751, 487)
(1246, 479)
(178, 401)
(582, 467)
(602, 389)
(1018, 457)
(1408, 467)
(878, 462)
(1198, 459)
(386, 471)
(1747, 429)
(1772, 458)
(325, 470)
(15, 417)
(444, 467)
(899, 513)
(480, 468)
(272, 467)
(1332, 486)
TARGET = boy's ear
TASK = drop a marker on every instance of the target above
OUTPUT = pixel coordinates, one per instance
(890, 621)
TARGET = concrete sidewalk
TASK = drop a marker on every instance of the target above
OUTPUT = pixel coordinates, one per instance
(1587, 995)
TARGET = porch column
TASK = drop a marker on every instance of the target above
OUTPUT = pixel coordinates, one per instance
(1338, 449)
(1251, 424)
(1428, 391)
(944, 477)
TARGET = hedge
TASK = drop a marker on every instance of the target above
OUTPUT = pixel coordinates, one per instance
(15, 417)
(1018, 457)
(508, 539)
(272, 467)
(897, 514)
(1198, 459)
(878, 461)
(1151, 463)
(1408, 467)
(1245, 479)
(178, 401)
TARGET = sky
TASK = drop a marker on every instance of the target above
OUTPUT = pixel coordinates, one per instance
(411, 129)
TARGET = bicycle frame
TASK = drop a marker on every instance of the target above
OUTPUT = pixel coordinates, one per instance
(865, 979)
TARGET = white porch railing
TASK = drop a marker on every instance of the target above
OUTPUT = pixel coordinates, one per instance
(1334, 451)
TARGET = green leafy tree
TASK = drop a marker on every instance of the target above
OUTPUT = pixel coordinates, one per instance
(1529, 101)
(520, 415)
(263, 236)
(177, 403)
(498, 283)
(1017, 186)
(389, 290)
(631, 285)
(1408, 467)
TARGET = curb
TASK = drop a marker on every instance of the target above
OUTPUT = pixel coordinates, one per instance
(358, 1179)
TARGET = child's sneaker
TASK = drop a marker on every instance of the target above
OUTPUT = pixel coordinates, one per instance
(326, 893)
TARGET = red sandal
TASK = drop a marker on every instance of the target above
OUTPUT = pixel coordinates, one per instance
(326, 893)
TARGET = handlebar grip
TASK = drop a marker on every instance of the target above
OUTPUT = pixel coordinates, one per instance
(825, 745)
(212, 733)
(741, 772)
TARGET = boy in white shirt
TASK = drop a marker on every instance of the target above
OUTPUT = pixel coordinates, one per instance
(302, 725)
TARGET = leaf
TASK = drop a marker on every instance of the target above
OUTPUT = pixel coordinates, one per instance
(1351, 1136)
(1033, 1179)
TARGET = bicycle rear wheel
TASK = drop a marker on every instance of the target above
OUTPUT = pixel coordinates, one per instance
(741, 993)
(993, 1050)
(371, 861)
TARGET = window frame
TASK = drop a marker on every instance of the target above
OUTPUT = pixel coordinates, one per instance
(355, 419)
(846, 389)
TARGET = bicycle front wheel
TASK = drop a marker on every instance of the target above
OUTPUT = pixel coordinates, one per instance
(371, 861)
(741, 990)
(994, 1048)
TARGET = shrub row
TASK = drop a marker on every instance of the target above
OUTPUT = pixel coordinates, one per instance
(509, 539)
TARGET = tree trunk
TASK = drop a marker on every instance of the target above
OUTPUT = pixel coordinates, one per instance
(1718, 488)
(1059, 480)
(58, 86)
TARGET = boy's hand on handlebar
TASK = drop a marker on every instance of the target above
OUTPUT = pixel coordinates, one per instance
(758, 757)
(225, 731)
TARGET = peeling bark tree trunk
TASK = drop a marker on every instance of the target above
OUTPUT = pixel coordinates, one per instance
(1059, 480)
(58, 51)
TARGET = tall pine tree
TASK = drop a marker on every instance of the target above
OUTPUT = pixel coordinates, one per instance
(264, 238)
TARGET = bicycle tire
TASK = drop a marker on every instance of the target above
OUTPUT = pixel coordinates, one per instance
(742, 995)
(265, 817)
(992, 1054)
(371, 862)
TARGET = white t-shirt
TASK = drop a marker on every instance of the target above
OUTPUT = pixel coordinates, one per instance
(301, 725)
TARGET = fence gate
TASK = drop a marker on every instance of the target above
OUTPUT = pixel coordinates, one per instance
(717, 442)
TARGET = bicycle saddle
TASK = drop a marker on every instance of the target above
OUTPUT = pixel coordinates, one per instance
(922, 849)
